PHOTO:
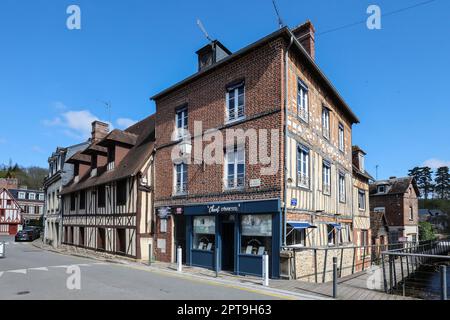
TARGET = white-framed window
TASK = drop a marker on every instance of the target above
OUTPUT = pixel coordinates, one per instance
(303, 177)
(411, 214)
(361, 200)
(32, 196)
(342, 193)
(235, 103)
(326, 122)
(331, 235)
(235, 168)
(21, 195)
(302, 101)
(181, 121)
(361, 162)
(341, 137)
(41, 197)
(181, 176)
(31, 210)
(326, 177)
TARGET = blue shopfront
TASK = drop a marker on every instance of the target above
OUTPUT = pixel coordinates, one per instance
(234, 236)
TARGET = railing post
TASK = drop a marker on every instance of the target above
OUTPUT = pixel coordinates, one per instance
(179, 259)
(354, 260)
(391, 273)
(315, 264)
(443, 282)
(364, 258)
(335, 277)
(384, 273)
(265, 266)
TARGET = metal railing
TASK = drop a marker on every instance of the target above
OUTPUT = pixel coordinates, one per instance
(351, 259)
(417, 271)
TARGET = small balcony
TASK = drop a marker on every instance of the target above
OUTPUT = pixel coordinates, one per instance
(303, 180)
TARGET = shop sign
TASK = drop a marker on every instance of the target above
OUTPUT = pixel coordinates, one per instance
(217, 209)
(163, 213)
(178, 211)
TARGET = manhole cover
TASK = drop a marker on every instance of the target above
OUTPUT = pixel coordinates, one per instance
(22, 293)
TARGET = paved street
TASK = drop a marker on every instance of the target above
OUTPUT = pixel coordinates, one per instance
(31, 273)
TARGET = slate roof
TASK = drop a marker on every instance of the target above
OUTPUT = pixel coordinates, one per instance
(130, 165)
(394, 186)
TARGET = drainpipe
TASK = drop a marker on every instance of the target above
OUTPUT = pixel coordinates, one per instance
(286, 79)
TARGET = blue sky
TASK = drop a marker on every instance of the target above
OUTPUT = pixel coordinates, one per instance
(53, 81)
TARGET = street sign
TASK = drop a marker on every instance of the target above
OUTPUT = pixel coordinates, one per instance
(294, 202)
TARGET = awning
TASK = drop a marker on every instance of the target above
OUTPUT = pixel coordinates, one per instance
(300, 225)
(336, 225)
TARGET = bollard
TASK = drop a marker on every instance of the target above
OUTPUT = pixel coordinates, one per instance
(265, 269)
(179, 259)
(150, 254)
(444, 283)
(335, 277)
(2, 249)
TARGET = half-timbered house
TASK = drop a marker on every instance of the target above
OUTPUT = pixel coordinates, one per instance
(10, 213)
(107, 206)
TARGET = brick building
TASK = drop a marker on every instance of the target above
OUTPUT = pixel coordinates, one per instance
(226, 215)
(31, 202)
(398, 198)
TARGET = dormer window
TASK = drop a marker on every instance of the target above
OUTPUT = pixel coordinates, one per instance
(94, 166)
(382, 189)
(111, 157)
(361, 162)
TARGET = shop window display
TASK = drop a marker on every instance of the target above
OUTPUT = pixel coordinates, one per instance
(204, 233)
(256, 238)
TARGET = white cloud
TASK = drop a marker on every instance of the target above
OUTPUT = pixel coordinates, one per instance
(58, 105)
(76, 124)
(124, 123)
(436, 163)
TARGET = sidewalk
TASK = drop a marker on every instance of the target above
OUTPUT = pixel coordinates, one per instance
(293, 289)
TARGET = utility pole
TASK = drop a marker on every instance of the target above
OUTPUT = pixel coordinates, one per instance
(376, 171)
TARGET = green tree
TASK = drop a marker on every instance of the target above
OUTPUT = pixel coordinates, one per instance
(426, 231)
(442, 183)
(424, 180)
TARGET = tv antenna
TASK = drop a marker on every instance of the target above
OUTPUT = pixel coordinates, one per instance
(280, 21)
(108, 109)
(202, 28)
(376, 171)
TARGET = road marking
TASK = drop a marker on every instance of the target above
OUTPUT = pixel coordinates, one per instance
(20, 271)
(61, 266)
(1, 273)
(210, 282)
(39, 269)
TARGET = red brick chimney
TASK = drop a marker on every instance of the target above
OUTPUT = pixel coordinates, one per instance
(305, 34)
(99, 130)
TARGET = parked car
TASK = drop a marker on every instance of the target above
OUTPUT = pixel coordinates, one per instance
(27, 234)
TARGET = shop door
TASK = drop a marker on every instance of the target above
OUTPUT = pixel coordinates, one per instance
(228, 246)
(180, 234)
